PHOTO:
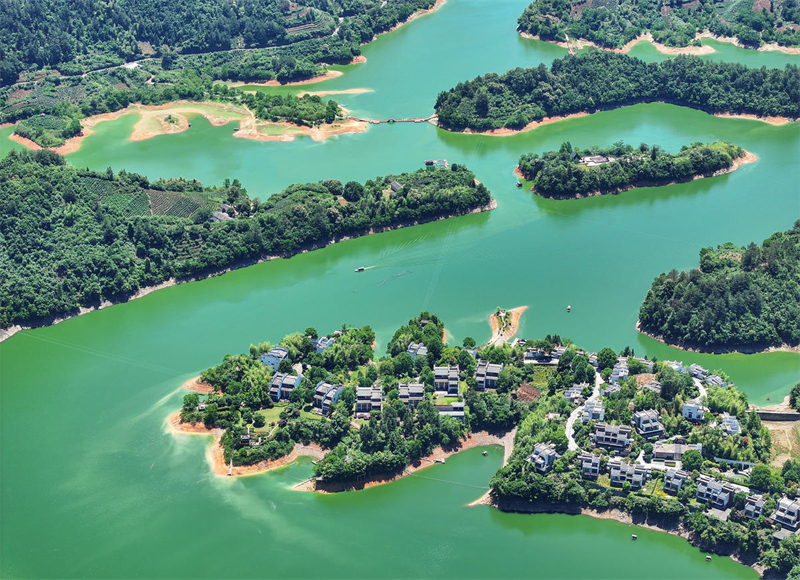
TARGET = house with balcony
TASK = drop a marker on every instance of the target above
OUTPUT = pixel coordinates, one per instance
(445, 379)
(282, 385)
(590, 465)
(616, 437)
(697, 371)
(320, 344)
(719, 494)
(754, 506)
(593, 411)
(486, 375)
(674, 480)
(621, 471)
(454, 409)
(274, 357)
(543, 457)
(787, 514)
(416, 349)
(648, 423)
(694, 411)
(325, 396)
(730, 425)
(411, 394)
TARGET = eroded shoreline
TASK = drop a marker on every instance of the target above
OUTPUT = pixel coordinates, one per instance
(580, 43)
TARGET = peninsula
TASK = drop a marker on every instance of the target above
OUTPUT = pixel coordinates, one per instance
(573, 173)
(744, 299)
(518, 99)
(147, 235)
(750, 24)
(609, 434)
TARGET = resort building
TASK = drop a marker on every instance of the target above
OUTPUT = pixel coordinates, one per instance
(675, 365)
(320, 344)
(754, 506)
(558, 351)
(590, 465)
(455, 409)
(368, 399)
(620, 472)
(617, 437)
(674, 480)
(592, 356)
(697, 371)
(787, 513)
(719, 494)
(673, 451)
(653, 386)
(445, 379)
(593, 411)
(416, 349)
(647, 364)
(274, 357)
(282, 385)
(486, 375)
(543, 457)
(715, 381)
(610, 390)
(648, 423)
(730, 424)
(575, 393)
(619, 372)
(395, 187)
(694, 411)
(534, 355)
(325, 396)
(411, 394)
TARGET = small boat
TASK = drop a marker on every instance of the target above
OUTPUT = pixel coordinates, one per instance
(485, 453)
(361, 269)
(190, 124)
(569, 308)
(633, 536)
(519, 184)
(708, 558)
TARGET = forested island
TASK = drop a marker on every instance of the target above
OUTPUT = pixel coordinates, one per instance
(570, 173)
(73, 238)
(49, 65)
(608, 434)
(600, 80)
(741, 298)
(614, 24)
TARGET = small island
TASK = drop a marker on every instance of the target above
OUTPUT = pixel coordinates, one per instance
(744, 299)
(573, 173)
(524, 98)
(151, 234)
(606, 434)
(619, 24)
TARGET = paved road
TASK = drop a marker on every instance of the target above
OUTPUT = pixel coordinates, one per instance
(571, 444)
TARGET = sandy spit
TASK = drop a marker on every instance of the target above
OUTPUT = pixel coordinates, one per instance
(510, 331)
(720, 350)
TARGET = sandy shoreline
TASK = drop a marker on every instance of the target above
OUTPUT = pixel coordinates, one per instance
(412, 17)
(195, 385)
(6, 333)
(504, 335)
(737, 163)
(331, 74)
(720, 350)
(663, 48)
(439, 455)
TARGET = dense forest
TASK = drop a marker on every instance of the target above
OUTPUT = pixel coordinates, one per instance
(613, 23)
(572, 172)
(740, 298)
(71, 237)
(44, 52)
(600, 79)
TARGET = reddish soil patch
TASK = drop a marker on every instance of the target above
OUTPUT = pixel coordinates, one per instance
(760, 5)
(18, 94)
(528, 393)
(644, 378)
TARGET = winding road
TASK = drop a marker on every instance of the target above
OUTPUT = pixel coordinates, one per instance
(571, 445)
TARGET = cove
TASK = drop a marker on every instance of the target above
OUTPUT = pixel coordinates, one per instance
(111, 494)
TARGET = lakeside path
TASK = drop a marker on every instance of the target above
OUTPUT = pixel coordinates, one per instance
(504, 333)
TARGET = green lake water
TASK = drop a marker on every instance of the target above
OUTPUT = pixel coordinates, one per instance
(94, 486)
